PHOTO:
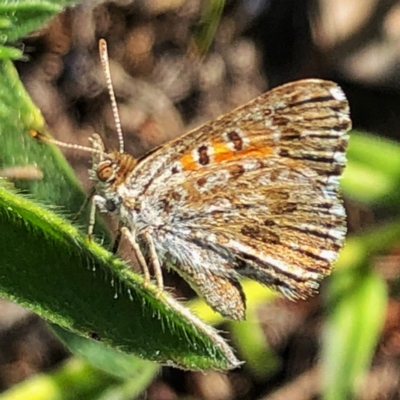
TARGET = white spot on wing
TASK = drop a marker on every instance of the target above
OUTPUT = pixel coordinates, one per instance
(328, 255)
(339, 157)
(338, 93)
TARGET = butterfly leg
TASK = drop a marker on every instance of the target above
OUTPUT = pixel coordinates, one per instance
(99, 202)
(155, 262)
(96, 201)
(117, 239)
(138, 253)
(87, 200)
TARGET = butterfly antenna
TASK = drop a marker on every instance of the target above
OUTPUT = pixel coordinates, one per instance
(42, 138)
(106, 68)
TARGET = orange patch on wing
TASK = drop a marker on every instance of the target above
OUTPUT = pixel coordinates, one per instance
(227, 154)
(221, 153)
(188, 163)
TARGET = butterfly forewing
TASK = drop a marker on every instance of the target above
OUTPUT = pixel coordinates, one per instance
(253, 193)
(308, 109)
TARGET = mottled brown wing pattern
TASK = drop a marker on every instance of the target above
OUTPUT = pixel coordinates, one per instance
(313, 108)
(254, 193)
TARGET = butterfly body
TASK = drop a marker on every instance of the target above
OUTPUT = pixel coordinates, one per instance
(253, 193)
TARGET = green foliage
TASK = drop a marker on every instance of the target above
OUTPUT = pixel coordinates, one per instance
(20, 17)
(357, 305)
(207, 26)
(373, 171)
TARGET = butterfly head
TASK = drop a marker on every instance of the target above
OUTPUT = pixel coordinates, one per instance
(110, 176)
(109, 169)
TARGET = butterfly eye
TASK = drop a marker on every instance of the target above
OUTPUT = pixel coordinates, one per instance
(105, 171)
(111, 206)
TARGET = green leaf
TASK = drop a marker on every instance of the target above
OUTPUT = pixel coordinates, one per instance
(207, 27)
(373, 170)
(20, 17)
(49, 267)
(120, 365)
(358, 300)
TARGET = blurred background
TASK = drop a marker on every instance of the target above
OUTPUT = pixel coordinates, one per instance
(176, 64)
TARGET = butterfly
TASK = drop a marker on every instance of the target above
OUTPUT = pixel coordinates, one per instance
(254, 193)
